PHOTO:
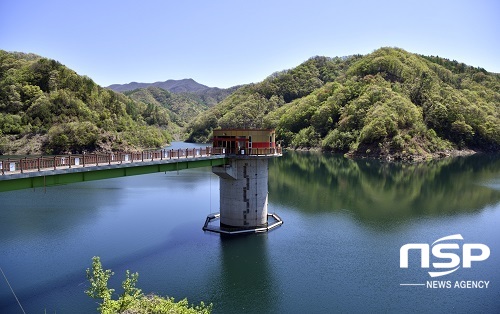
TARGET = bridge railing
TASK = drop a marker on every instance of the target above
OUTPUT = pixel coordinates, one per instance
(265, 151)
(40, 163)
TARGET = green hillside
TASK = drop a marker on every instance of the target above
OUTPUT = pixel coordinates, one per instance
(47, 108)
(182, 106)
(174, 86)
(390, 103)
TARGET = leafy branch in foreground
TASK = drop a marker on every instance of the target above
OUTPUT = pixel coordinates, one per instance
(132, 300)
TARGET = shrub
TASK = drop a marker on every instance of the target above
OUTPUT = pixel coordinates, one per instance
(338, 140)
(132, 300)
(307, 137)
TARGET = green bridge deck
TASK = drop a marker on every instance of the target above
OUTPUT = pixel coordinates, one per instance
(59, 175)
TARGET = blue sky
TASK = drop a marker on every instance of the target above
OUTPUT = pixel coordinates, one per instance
(226, 43)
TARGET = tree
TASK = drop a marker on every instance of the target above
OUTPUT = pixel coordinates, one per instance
(98, 279)
(132, 300)
(70, 112)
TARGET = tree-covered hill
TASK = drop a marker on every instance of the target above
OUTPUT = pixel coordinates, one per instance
(183, 106)
(188, 90)
(174, 86)
(390, 103)
(47, 108)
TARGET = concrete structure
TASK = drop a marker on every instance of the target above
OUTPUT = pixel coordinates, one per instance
(243, 179)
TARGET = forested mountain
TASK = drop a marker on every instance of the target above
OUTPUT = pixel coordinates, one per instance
(185, 99)
(187, 88)
(174, 86)
(390, 103)
(47, 108)
(183, 106)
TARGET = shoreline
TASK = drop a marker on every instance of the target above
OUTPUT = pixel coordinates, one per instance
(398, 157)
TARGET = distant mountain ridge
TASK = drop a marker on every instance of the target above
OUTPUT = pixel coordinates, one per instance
(174, 86)
(184, 99)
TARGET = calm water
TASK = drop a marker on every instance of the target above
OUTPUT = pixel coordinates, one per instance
(338, 250)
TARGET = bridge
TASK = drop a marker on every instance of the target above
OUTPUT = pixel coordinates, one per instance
(43, 171)
(18, 173)
(238, 156)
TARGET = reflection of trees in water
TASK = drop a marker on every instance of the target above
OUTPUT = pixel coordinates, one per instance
(383, 191)
(246, 280)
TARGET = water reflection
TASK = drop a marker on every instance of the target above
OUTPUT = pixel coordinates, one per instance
(375, 191)
(48, 239)
(31, 213)
(246, 283)
(317, 262)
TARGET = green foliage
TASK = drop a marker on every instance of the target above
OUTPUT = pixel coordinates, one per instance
(339, 141)
(145, 136)
(462, 132)
(39, 96)
(389, 102)
(255, 105)
(98, 279)
(306, 138)
(182, 107)
(11, 124)
(73, 137)
(132, 300)
(247, 114)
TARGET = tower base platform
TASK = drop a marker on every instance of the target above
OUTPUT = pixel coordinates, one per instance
(273, 221)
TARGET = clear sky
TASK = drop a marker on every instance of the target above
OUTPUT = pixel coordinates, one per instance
(230, 42)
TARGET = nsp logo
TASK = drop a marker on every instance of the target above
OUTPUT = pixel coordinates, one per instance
(442, 251)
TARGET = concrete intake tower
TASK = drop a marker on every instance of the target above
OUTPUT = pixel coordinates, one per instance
(243, 181)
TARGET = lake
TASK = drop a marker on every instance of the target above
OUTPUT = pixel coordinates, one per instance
(337, 251)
